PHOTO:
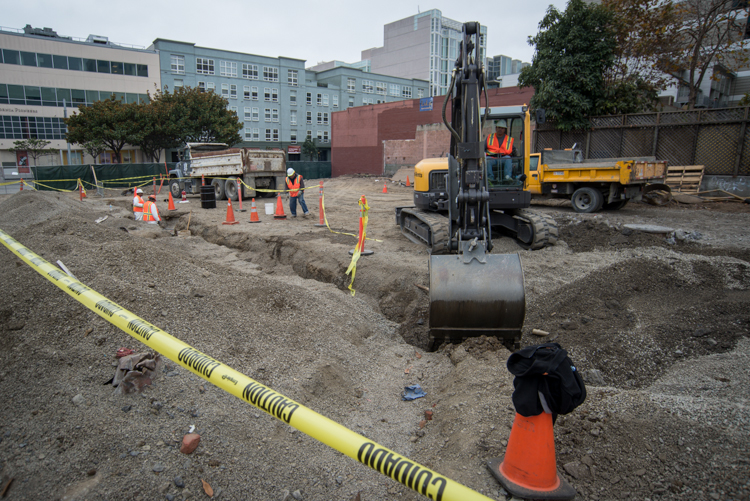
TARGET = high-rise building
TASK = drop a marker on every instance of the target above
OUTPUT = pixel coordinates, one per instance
(423, 46)
(44, 76)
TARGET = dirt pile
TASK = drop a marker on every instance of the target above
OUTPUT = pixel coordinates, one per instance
(660, 328)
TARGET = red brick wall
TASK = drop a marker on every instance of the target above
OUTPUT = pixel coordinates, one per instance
(358, 134)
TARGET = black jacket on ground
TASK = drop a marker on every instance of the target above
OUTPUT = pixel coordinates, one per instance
(545, 368)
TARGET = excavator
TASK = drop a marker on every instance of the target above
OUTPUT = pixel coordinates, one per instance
(474, 292)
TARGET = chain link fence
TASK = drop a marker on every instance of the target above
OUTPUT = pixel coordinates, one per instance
(715, 138)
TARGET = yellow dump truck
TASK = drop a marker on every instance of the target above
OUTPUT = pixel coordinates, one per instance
(593, 184)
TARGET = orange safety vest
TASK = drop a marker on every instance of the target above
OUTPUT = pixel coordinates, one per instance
(147, 214)
(138, 209)
(294, 187)
(494, 147)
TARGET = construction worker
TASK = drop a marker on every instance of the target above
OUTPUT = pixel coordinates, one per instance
(138, 205)
(296, 187)
(150, 211)
(499, 148)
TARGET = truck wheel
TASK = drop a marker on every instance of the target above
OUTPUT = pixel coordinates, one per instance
(218, 185)
(174, 188)
(231, 189)
(615, 205)
(587, 200)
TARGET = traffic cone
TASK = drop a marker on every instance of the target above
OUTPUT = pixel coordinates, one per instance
(408, 184)
(385, 187)
(279, 209)
(203, 180)
(239, 194)
(528, 469)
(21, 185)
(171, 202)
(184, 196)
(230, 214)
(254, 213)
(321, 208)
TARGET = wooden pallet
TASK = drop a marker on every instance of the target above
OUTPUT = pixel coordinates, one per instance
(685, 178)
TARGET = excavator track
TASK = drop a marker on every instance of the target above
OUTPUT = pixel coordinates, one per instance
(425, 228)
(544, 228)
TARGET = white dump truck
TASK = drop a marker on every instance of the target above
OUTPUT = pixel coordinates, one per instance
(220, 166)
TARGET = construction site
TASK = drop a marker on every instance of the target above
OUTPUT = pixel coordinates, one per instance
(655, 320)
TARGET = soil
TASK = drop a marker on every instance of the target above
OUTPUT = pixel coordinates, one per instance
(658, 324)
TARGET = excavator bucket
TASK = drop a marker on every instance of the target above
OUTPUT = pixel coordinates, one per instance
(471, 298)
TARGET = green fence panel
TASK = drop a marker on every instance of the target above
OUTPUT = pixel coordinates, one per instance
(312, 170)
(65, 177)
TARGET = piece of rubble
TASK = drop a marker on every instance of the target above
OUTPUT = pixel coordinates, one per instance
(190, 443)
(136, 371)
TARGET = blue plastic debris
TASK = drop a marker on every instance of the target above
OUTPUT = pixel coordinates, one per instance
(412, 392)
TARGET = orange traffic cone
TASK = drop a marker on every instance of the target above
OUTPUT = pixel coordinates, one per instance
(254, 213)
(21, 185)
(528, 469)
(203, 180)
(408, 184)
(279, 209)
(230, 214)
(385, 187)
(171, 202)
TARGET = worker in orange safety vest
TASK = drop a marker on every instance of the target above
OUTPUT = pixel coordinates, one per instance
(138, 205)
(499, 149)
(150, 211)
(296, 187)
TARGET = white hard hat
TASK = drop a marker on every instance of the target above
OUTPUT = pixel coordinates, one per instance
(289, 171)
(501, 123)
(139, 190)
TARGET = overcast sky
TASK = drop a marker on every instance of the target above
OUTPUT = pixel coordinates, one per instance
(312, 30)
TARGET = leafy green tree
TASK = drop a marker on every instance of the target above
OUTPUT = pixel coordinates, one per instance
(573, 50)
(309, 149)
(158, 128)
(109, 121)
(35, 148)
(94, 148)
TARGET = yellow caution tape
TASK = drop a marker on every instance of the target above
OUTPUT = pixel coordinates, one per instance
(389, 463)
(363, 208)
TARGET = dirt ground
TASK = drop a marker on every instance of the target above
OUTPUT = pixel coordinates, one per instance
(658, 323)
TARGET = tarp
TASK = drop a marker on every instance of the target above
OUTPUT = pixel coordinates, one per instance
(65, 177)
(312, 170)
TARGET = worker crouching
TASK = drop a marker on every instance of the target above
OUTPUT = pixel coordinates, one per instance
(150, 211)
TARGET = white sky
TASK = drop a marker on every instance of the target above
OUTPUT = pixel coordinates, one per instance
(340, 29)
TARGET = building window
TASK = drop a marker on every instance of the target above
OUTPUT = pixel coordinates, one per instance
(351, 85)
(293, 117)
(233, 91)
(420, 93)
(367, 86)
(320, 100)
(293, 98)
(248, 114)
(351, 101)
(406, 92)
(275, 134)
(246, 92)
(204, 66)
(274, 95)
(248, 134)
(320, 118)
(335, 98)
(270, 74)
(325, 136)
(225, 91)
(201, 86)
(234, 109)
(178, 83)
(320, 136)
(325, 118)
(268, 134)
(325, 99)
(380, 88)
(309, 117)
(293, 136)
(256, 114)
(210, 87)
(308, 135)
(275, 115)
(256, 134)
(267, 115)
(309, 98)
(228, 69)
(291, 77)
(250, 71)
(395, 90)
(254, 93)
(178, 64)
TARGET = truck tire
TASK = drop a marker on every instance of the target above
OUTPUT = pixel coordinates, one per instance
(587, 200)
(218, 185)
(615, 205)
(232, 189)
(174, 188)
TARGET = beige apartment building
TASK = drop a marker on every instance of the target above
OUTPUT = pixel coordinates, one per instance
(45, 76)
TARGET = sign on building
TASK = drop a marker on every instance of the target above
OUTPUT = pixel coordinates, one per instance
(425, 104)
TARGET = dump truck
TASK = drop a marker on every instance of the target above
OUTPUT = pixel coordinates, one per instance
(217, 165)
(594, 184)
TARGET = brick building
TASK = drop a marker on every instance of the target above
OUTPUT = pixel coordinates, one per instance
(379, 139)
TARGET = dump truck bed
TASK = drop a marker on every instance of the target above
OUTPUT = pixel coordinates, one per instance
(623, 171)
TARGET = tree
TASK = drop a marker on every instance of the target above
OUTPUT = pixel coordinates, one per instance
(109, 121)
(309, 149)
(94, 148)
(33, 147)
(573, 50)
(708, 32)
(158, 129)
(194, 116)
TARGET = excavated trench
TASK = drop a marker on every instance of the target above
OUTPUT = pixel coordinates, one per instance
(630, 320)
